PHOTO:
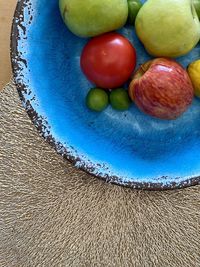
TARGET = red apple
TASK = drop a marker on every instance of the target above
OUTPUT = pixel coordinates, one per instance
(162, 88)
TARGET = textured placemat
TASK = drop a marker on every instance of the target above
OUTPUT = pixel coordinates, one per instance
(54, 215)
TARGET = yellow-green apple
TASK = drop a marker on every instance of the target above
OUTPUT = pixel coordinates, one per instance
(87, 18)
(168, 28)
(162, 88)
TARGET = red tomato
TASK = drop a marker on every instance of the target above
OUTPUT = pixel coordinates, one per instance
(108, 60)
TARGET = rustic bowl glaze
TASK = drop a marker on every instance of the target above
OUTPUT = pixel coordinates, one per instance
(125, 148)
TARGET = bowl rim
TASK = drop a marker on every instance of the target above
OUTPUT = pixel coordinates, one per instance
(18, 18)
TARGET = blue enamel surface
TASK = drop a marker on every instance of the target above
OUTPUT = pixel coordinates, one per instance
(129, 145)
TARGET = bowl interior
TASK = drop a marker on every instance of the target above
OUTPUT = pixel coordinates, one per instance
(124, 147)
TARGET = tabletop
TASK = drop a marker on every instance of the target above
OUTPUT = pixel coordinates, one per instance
(54, 215)
(6, 15)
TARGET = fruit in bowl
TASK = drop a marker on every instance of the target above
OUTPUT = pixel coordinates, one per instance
(108, 60)
(168, 28)
(119, 99)
(133, 9)
(97, 99)
(88, 18)
(194, 73)
(162, 88)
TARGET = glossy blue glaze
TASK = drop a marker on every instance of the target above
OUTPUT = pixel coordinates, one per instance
(128, 145)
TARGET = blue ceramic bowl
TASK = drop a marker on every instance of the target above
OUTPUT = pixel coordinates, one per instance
(126, 148)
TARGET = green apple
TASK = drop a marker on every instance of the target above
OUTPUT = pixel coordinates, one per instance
(133, 9)
(88, 18)
(169, 28)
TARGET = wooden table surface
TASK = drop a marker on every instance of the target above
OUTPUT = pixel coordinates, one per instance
(6, 14)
